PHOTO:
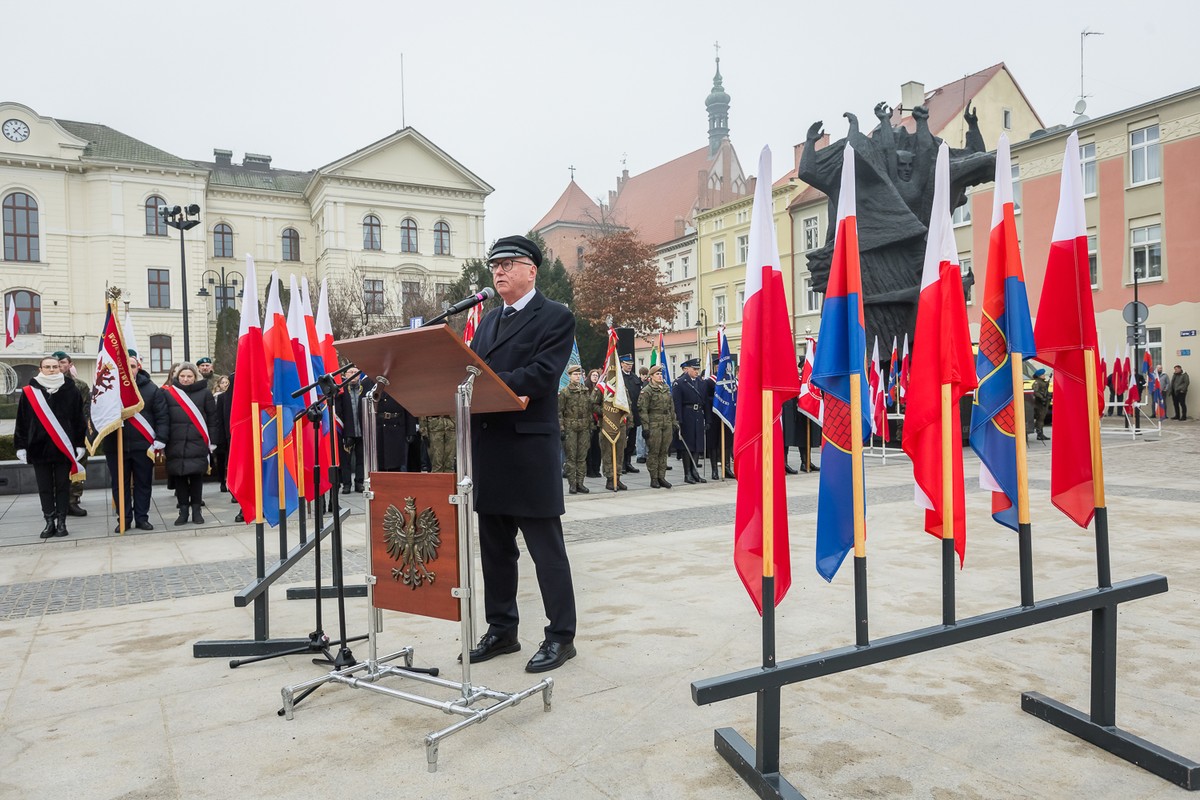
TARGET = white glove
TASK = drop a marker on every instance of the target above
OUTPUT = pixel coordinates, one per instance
(159, 445)
(21, 456)
(212, 448)
(79, 451)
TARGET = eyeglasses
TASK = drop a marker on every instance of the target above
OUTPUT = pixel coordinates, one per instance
(51, 367)
(506, 264)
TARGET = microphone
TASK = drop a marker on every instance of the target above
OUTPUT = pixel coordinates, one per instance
(462, 305)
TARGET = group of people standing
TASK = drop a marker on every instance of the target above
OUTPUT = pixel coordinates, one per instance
(178, 424)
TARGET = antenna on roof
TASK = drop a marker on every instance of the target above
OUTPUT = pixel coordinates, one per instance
(1081, 106)
(403, 124)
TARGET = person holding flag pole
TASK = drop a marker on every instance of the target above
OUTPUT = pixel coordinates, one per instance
(840, 372)
(1005, 339)
(724, 402)
(123, 391)
(614, 415)
(943, 371)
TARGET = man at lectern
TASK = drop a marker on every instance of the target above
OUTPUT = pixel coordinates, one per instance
(517, 469)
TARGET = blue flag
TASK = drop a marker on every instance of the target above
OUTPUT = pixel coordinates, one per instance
(725, 392)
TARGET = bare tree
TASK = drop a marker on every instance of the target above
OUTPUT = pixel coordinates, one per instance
(358, 308)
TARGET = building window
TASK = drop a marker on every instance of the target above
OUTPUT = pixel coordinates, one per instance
(743, 249)
(441, 239)
(1008, 119)
(29, 310)
(1145, 157)
(155, 224)
(373, 296)
(812, 234)
(739, 297)
(670, 267)
(1094, 260)
(1016, 184)
(1154, 344)
(372, 233)
(579, 257)
(1145, 257)
(410, 292)
(408, 235)
(291, 245)
(21, 228)
(964, 268)
(962, 214)
(718, 224)
(718, 255)
(719, 309)
(812, 299)
(685, 311)
(225, 296)
(158, 288)
(222, 241)
(1087, 163)
(442, 294)
(743, 216)
(684, 267)
(160, 353)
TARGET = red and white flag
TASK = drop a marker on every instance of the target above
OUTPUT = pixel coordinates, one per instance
(1065, 331)
(10, 322)
(472, 325)
(250, 385)
(905, 366)
(811, 400)
(941, 357)
(768, 365)
(115, 395)
(878, 395)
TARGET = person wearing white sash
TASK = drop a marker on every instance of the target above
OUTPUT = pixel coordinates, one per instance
(192, 436)
(49, 437)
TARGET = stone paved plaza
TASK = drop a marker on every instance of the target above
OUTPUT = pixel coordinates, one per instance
(101, 697)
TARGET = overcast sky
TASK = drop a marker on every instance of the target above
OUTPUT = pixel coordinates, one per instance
(519, 91)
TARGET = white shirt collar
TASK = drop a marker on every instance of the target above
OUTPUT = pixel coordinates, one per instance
(524, 301)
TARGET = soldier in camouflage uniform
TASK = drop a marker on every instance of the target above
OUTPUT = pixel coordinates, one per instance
(439, 433)
(85, 395)
(657, 410)
(576, 409)
(205, 365)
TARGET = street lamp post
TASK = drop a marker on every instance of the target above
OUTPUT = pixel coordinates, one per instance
(224, 298)
(701, 332)
(183, 220)
(1137, 352)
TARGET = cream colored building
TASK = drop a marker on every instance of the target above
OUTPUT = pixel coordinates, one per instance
(80, 207)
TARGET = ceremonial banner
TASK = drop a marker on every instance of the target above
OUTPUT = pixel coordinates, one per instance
(115, 396)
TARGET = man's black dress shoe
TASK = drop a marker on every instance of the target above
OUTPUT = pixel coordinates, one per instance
(789, 469)
(144, 525)
(490, 645)
(551, 655)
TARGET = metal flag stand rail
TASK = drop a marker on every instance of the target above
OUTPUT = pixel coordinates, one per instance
(474, 703)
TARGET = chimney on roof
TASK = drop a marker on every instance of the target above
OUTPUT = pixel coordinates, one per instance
(257, 161)
(680, 227)
(612, 197)
(224, 158)
(912, 94)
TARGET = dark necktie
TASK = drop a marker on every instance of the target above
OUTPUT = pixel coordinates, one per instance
(506, 317)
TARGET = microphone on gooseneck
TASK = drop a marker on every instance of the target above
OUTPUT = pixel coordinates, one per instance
(462, 305)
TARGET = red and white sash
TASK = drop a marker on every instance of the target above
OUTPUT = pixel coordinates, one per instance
(142, 426)
(192, 412)
(53, 427)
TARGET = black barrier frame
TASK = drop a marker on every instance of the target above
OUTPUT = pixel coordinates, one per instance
(761, 771)
(256, 593)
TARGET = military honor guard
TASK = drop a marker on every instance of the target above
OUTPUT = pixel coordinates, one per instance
(438, 434)
(691, 398)
(657, 410)
(577, 418)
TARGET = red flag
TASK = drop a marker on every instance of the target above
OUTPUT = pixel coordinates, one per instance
(905, 366)
(1065, 330)
(878, 401)
(317, 362)
(941, 355)
(472, 325)
(768, 364)
(329, 364)
(250, 385)
(811, 400)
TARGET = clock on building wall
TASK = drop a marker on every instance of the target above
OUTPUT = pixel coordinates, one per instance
(15, 130)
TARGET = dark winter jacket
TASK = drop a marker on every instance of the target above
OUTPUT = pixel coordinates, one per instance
(154, 411)
(187, 453)
(32, 437)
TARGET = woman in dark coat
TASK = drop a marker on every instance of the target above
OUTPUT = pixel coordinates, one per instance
(194, 430)
(36, 446)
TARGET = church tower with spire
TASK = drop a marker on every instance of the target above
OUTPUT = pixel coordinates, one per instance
(717, 104)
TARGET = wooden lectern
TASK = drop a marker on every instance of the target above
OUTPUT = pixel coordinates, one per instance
(430, 372)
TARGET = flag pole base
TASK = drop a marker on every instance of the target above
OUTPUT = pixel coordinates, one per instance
(741, 756)
(1165, 764)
